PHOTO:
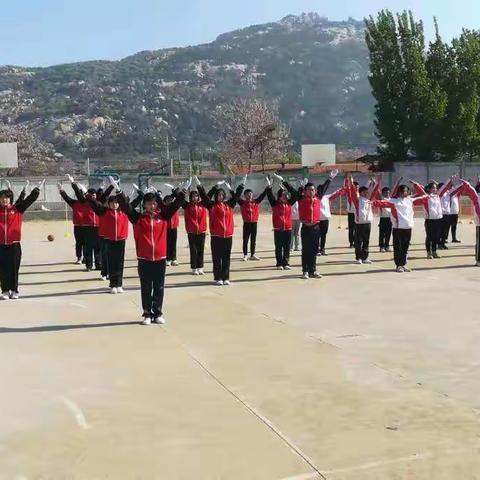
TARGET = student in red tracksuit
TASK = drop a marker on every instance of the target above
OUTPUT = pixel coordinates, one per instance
(115, 233)
(196, 216)
(172, 233)
(150, 231)
(250, 210)
(11, 219)
(221, 228)
(282, 224)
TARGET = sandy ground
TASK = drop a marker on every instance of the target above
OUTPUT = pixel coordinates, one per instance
(364, 374)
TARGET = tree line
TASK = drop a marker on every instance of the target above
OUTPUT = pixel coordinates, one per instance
(427, 98)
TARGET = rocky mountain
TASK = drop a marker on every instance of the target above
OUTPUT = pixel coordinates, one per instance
(315, 68)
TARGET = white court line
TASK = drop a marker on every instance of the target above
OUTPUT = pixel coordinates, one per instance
(77, 413)
(306, 476)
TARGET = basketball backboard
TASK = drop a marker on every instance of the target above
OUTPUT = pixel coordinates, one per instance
(8, 155)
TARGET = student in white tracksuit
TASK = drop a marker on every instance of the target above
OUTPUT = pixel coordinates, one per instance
(295, 228)
(326, 215)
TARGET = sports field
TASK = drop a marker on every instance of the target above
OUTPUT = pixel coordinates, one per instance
(364, 374)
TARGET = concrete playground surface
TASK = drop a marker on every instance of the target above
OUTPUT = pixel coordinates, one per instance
(364, 374)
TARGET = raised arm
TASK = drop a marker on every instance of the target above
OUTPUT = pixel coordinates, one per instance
(234, 195)
(168, 211)
(473, 195)
(261, 197)
(106, 193)
(132, 214)
(78, 192)
(337, 193)
(97, 207)
(27, 203)
(68, 200)
(206, 200)
(395, 187)
(419, 190)
(351, 191)
(323, 188)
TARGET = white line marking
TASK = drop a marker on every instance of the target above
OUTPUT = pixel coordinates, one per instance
(77, 413)
(306, 476)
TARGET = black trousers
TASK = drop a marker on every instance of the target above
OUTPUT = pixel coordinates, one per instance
(249, 233)
(116, 261)
(282, 239)
(171, 244)
(10, 258)
(104, 244)
(324, 224)
(362, 240)
(221, 252)
(79, 234)
(433, 229)
(401, 243)
(92, 248)
(444, 230)
(453, 225)
(351, 228)
(384, 232)
(310, 241)
(152, 284)
(196, 243)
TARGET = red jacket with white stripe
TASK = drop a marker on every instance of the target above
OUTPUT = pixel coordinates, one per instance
(250, 211)
(195, 218)
(114, 225)
(220, 214)
(11, 219)
(174, 222)
(309, 210)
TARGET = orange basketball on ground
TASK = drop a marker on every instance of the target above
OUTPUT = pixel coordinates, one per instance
(50, 238)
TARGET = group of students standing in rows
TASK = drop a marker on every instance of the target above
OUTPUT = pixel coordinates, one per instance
(101, 218)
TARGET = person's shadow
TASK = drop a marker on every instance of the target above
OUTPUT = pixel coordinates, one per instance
(58, 328)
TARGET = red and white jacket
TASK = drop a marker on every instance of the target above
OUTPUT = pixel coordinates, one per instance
(114, 225)
(89, 217)
(325, 203)
(401, 210)
(309, 210)
(468, 190)
(221, 220)
(282, 216)
(250, 211)
(195, 218)
(363, 206)
(150, 234)
(432, 204)
(174, 222)
(10, 225)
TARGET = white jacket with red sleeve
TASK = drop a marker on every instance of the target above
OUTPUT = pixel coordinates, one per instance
(326, 200)
(468, 190)
(402, 210)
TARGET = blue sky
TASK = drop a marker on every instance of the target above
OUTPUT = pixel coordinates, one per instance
(45, 32)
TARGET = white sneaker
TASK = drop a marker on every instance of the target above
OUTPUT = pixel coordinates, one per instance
(287, 267)
(195, 271)
(174, 263)
(279, 268)
(5, 296)
(120, 290)
(78, 262)
(113, 290)
(146, 321)
(200, 271)
(159, 321)
(104, 279)
(305, 276)
(388, 249)
(14, 296)
(227, 282)
(219, 283)
(400, 270)
(383, 250)
(168, 263)
(477, 264)
(406, 269)
(254, 258)
(245, 258)
(358, 262)
(367, 262)
(317, 275)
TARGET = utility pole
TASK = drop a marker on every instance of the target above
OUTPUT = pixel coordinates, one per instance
(169, 160)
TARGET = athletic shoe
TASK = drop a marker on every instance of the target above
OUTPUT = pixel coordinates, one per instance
(383, 250)
(14, 296)
(6, 295)
(429, 256)
(159, 320)
(324, 253)
(113, 290)
(287, 267)
(120, 290)
(477, 264)
(400, 270)
(195, 271)
(388, 249)
(279, 267)
(358, 262)
(316, 275)
(88, 269)
(78, 262)
(227, 282)
(200, 271)
(169, 263)
(435, 255)
(245, 258)
(456, 241)
(174, 263)
(367, 261)
(254, 257)
(296, 249)
(352, 245)
(406, 269)
(104, 278)
(219, 283)
(305, 276)
(146, 321)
